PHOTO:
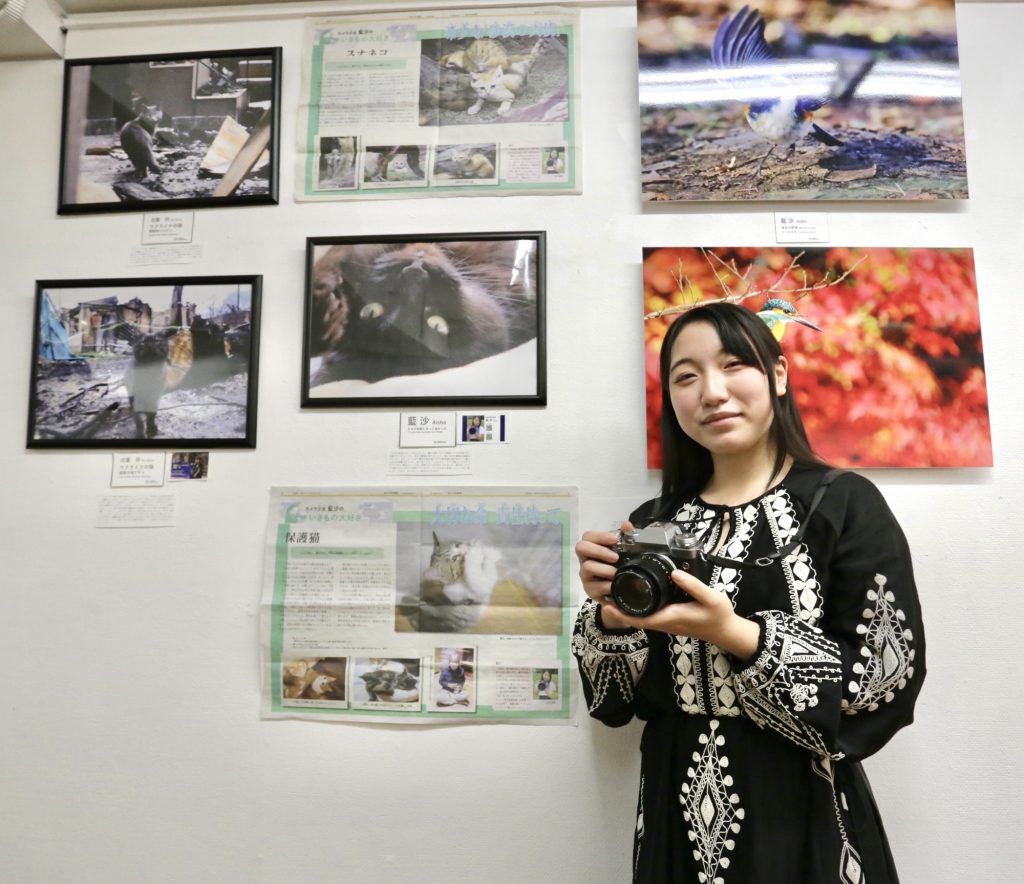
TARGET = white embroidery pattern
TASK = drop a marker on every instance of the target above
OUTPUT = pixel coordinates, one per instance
(784, 679)
(703, 674)
(711, 811)
(888, 656)
(797, 567)
(686, 680)
(851, 868)
(639, 829)
(608, 659)
(699, 518)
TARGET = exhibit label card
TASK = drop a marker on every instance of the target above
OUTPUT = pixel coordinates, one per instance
(801, 227)
(165, 254)
(138, 469)
(136, 511)
(427, 430)
(167, 227)
(429, 463)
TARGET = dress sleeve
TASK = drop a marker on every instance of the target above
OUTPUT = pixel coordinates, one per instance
(843, 678)
(610, 663)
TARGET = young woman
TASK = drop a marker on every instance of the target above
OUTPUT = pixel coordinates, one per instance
(804, 652)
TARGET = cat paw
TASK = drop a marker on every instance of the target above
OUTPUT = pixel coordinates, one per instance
(475, 109)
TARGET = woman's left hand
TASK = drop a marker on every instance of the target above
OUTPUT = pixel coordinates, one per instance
(708, 615)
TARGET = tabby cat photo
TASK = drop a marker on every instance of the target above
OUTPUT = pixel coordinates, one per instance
(484, 579)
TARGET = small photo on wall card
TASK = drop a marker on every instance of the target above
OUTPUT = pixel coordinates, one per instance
(143, 133)
(804, 100)
(891, 375)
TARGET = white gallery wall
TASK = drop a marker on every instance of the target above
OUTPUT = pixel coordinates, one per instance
(130, 743)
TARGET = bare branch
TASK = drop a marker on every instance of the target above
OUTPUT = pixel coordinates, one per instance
(730, 296)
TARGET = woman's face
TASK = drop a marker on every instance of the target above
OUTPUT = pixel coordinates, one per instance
(720, 402)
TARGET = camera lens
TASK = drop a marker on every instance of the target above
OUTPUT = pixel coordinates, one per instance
(643, 585)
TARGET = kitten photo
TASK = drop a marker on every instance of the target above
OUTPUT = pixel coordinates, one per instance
(386, 682)
(494, 80)
(396, 164)
(337, 163)
(461, 162)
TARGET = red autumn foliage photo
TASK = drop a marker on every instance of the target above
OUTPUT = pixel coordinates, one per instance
(895, 378)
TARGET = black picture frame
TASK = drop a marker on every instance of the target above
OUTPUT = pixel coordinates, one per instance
(423, 320)
(138, 132)
(134, 363)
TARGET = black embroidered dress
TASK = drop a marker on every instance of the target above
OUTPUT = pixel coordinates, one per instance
(750, 771)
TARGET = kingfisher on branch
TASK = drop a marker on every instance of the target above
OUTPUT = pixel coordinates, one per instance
(778, 313)
(782, 117)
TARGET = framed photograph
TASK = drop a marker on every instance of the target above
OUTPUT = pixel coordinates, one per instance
(424, 320)
(145, 363)
(170, 131)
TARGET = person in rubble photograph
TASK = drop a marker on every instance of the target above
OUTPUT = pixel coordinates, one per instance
(761, 617)
(145, 363)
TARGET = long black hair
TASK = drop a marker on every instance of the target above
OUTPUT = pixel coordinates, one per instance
(686, 464)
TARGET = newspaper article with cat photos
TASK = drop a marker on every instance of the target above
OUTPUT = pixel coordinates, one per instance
(409, 604)
(478, 101)
(453, 685)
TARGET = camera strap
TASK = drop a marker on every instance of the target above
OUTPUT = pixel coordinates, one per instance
(782, 551)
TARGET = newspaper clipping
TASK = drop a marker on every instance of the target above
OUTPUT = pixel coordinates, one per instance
(418, 605)
(426, 104)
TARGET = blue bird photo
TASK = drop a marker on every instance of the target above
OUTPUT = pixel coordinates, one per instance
(800, 99)
(784, 117)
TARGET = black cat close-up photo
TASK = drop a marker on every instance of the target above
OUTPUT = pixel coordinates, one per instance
(413, 308)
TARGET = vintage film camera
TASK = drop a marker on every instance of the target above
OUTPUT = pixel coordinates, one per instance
(647, 557)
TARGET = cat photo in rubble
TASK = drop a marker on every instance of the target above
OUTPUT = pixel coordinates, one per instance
(145, 363)
(522, 79)
(480, 578)
(170, 130)
(397, 318)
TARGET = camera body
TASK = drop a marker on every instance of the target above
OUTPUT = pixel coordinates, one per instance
(647, 557)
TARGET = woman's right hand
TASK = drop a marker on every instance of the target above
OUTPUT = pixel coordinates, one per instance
(597, 567)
